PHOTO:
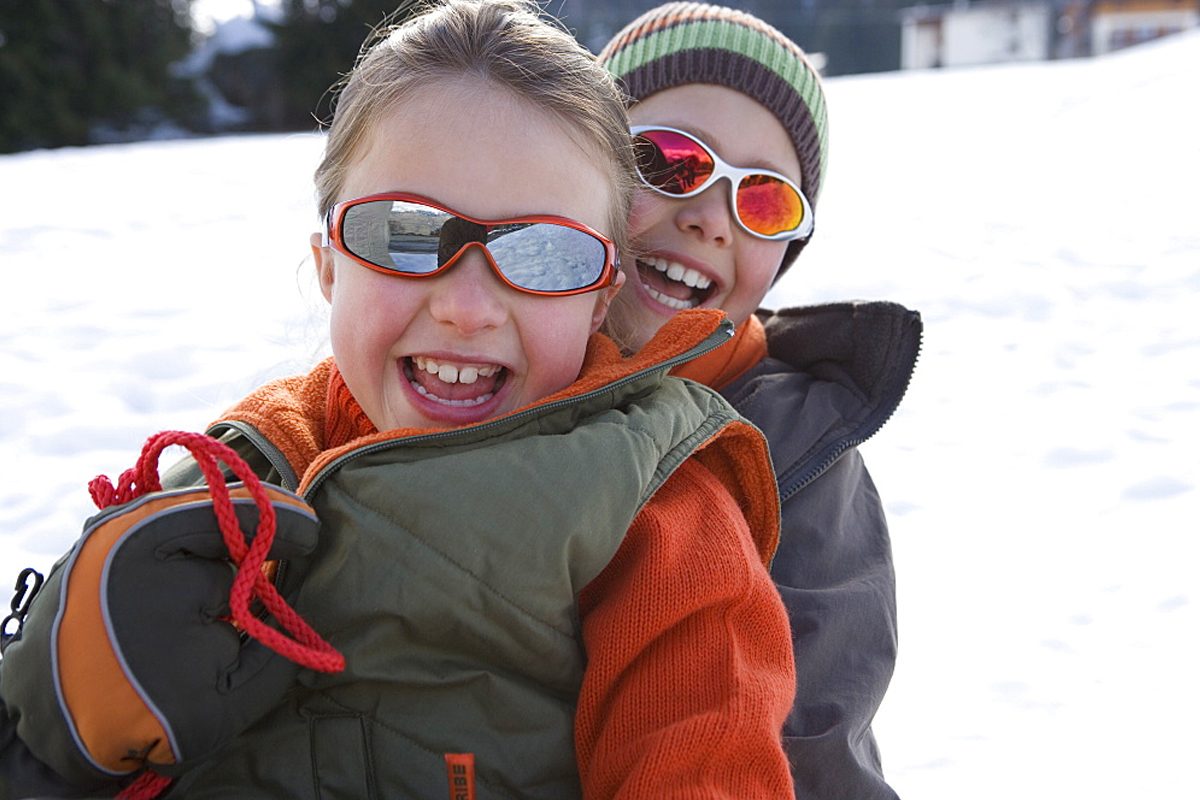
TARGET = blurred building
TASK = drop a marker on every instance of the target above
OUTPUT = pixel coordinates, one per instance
(995, 31)
(1121, 23)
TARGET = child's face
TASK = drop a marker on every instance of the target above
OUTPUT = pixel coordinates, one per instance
(700, 233)
(462, 347)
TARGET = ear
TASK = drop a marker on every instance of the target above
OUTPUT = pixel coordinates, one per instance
(323, 257)
(605, 300)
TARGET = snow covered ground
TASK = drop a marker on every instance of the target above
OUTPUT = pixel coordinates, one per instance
(1040, 478)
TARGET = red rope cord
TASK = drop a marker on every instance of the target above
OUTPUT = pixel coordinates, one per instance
(148, 786)
(307, 648)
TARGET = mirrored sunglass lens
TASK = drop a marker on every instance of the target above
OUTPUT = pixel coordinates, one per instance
(672, 162)
(395, 234)
(546, 257)
(768, 206)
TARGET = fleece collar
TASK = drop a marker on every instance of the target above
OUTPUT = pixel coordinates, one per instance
(721, 367)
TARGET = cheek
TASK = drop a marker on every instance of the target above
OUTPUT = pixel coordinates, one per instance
(648, 211)
(757, 264)
(555, 340)
(760, 261)
(368, 313)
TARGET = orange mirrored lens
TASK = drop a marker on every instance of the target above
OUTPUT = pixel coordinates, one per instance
(673, 163)
(768, 206)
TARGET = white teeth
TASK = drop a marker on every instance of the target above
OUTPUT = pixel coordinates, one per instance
(449, 373)
(671, 302)
(474, 401)
(678, 272)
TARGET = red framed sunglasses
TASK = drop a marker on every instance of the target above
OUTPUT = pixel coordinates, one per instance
(397, 233)
(677, 164)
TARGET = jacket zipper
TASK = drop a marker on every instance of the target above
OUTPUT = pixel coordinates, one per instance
(816, 466)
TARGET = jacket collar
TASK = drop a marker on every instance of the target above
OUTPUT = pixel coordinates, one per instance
(313, 418)
(835, 375)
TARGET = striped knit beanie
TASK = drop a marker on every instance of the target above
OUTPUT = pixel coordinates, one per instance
(679, 43)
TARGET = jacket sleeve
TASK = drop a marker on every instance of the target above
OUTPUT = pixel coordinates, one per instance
(690, 671)
(834, 571)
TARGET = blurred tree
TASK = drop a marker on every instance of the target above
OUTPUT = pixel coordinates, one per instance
(317, 42)
(79, 71)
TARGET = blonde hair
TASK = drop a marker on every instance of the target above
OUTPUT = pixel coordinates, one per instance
(505, 42)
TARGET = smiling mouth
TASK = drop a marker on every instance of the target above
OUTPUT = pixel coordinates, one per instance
(673, 284)
(454, 384)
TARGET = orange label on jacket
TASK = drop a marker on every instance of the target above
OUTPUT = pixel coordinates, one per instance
(460, 772)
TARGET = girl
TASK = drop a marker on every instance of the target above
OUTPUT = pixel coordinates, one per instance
(542, 563)
(730, 124)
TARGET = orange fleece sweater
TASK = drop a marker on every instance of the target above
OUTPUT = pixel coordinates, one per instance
(721, 367)
(690, 672)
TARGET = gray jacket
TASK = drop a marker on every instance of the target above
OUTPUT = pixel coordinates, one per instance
(834, 375)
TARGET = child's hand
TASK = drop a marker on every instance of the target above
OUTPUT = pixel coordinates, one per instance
(135, 625)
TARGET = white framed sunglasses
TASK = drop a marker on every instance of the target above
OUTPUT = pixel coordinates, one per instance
(677, 164)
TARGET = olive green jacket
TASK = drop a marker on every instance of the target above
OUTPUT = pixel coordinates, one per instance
(447, 574)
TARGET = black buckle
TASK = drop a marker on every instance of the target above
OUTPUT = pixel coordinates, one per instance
(29, 582)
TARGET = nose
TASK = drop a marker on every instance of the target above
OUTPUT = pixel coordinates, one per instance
(707, 215)
(469, 296)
